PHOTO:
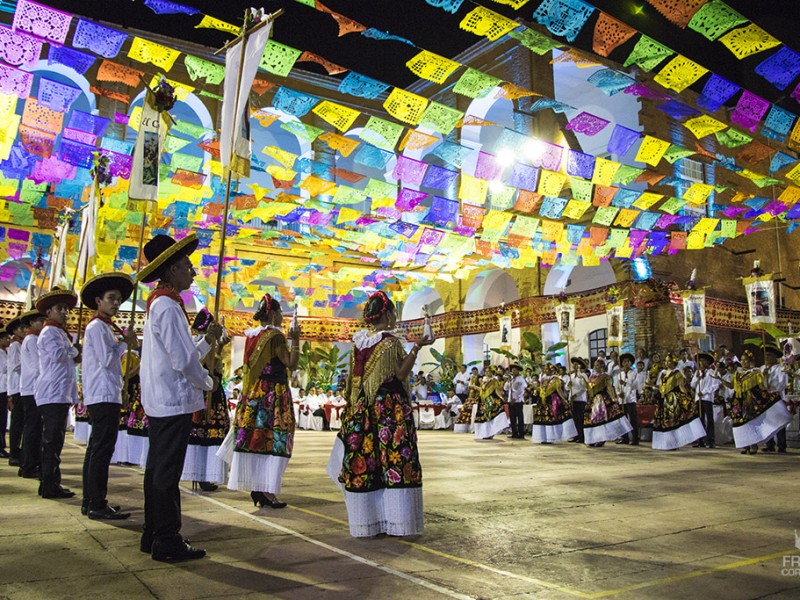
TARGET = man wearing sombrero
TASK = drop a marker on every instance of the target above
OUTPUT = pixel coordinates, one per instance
(56, 386)
(173, 382)
(104, 346)
(16, 328)
(705, 386)
(28, 374)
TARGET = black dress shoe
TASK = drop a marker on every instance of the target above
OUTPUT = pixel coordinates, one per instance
(146, 543)
(85, 507)
(207, 486)
(174, 552)
(13, 462)
(108, 513)
(58, 494)
(4, 454)
(36, 474)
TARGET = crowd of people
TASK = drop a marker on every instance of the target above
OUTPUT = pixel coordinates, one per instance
(162, 404)
(598, 403)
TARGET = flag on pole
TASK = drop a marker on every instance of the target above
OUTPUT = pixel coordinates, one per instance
(88, 249)
(57, 264)
(240, 71)
(153, 129)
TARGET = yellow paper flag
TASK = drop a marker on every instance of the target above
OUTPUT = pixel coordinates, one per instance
(748, 40)
(698, 193)
(651, 150)
(680, 73)
(430, 66)
(473, 190)
(145, 51)
(704, 125)
(604, 171)
(551, 183)
(575, 209)
(647, 199)
(337, 115)
(405, 106)
(212, 23)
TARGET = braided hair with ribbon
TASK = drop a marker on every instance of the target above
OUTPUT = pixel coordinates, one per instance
(376, 307)
(265, 307)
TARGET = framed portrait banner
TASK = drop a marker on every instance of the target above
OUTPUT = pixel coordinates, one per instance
(694, 314)
(615, 314)
(761, 299)
(505, 331)
(565, 318)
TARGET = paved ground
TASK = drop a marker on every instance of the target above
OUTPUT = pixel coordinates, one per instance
(503, 520)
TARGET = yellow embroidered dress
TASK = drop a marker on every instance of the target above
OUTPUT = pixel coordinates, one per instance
(374, 458)
(552, 415)
(676, 421)
(261, 438)
(491, 418)
(464, 420)
(604, 419)
(757, 413)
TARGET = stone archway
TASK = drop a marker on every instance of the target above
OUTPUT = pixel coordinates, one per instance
(489, 289)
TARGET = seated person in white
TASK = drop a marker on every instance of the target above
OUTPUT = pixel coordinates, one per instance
(452, 402)
(315, 408)
(420, 390)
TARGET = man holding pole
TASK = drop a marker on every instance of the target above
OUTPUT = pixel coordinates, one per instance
(172, 381)
(29, 373)
(16, 328)
(102, 386)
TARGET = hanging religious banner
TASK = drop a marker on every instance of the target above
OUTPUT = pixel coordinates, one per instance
(153, 129)
(505, 331)
(760, 290)
(565, 317)
(694, 314)
(614, 319)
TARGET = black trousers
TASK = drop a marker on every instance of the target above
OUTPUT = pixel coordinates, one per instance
(104, 419)
(578, 409)
(320, 412)
(781, 435)
(517, 419)
(31, 436)
(3, 419)
(169, 437)
(707, 418)
(17, 425)
(630, 412)
(54, 427)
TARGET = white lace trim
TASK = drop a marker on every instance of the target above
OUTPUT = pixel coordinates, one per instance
(362, 339)
(256, 330)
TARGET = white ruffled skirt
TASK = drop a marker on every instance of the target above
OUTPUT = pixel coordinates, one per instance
(483, 431)
(763, 427)
(680, 436)
(252, 472)
(203, 464)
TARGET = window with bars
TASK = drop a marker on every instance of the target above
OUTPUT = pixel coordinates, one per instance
(597, 342)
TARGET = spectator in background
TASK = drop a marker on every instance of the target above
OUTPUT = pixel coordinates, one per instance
(461, 383)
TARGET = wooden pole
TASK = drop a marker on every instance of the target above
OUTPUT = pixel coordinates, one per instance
(44, 269)
(246, 33)
(132, 321)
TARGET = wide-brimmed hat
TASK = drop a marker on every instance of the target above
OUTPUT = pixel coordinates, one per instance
(3, 330)
(629, 356)
(706, 356)
(12, 324)
(97, 286)
(161, 252)
(773, 350)
(202, 320)
(55, 297)
(578, 360)
(26, 317)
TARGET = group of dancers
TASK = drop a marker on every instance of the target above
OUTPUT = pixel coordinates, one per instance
(598, 404)
(174, 404)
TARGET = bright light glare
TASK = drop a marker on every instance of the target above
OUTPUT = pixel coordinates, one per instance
(506, 158)
(534, 149)
(496, 186)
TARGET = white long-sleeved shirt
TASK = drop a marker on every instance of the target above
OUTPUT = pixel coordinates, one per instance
(705, 385)
(58, 378)
(461, 383)
(776, 380)
(101, 367)
(516, 389)
(172, 378)
(625, 384)
(14, 366)
(3, 371)
(578, 389)
(29, 365)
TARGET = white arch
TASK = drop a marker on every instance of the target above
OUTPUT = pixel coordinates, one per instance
(79, 80)
(491, 288)
(574, 279)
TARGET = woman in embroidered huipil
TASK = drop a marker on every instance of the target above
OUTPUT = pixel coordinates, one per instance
(676, 421)
(262, 433)
(552, 416)
(463, 421)
(374, 458)
(491, 417)
(604, 419)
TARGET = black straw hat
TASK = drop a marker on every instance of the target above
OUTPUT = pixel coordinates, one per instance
(54, 297)
(97, 286)
(163, 251)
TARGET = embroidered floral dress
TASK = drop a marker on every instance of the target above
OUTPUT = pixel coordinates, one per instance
(757, 413)
(604, 419)
(552, 415)
(676, 421)
(491, 417)
(375, 459)
(262, 433)
(209, 428)
(464, 420)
